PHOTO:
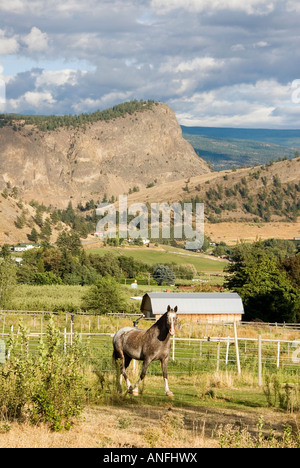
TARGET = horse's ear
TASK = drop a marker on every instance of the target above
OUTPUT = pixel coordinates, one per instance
(176, 308)
(169, 308)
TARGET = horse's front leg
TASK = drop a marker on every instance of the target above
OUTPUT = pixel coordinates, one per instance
(135, 390)
(164, 365)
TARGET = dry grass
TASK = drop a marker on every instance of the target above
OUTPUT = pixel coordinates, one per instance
(113, 427)
(142, 427)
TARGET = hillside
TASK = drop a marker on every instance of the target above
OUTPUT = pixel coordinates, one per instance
(260, 202)
(227, 147)
(17, 219)
(121, 153)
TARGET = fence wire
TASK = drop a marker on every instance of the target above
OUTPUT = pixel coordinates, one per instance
(192, 355)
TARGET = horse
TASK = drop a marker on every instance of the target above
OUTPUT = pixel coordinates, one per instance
(145, 345)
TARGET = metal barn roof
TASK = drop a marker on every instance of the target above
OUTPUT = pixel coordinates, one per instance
(192, 303)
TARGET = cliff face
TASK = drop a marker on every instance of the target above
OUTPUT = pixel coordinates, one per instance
(105, 157)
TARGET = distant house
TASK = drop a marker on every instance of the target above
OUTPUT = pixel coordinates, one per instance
(200, 307)
(22, 247)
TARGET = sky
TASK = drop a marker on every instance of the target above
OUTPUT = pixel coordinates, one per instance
(216, 63)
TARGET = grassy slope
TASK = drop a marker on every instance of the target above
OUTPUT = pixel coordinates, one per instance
(167, 255)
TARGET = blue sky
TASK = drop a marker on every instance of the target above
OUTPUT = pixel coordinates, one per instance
(217, 63)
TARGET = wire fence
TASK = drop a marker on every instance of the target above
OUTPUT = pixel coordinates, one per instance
(191, 355)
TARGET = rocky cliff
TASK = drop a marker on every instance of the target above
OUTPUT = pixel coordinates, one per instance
(111, 157)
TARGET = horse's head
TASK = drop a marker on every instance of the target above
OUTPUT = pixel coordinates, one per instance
(171, 319)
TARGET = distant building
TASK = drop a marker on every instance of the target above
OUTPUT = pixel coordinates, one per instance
(22, 247)
(200, 307)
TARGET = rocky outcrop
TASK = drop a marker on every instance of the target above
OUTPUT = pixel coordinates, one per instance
(104, 157)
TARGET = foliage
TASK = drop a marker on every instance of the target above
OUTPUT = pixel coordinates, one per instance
(7, 280)
(292, 267)
(231, 437)
(52, 122)
(105, 296)
(46, 388)
(164, 274)
(285, 397)
(265, 288)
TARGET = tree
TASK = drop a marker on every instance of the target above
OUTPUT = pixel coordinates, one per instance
(292, 267)
(105, 296)
(8, 273)
(33, 236)
(164, 274)
(70, 242)
(265, 289)
(5, 251)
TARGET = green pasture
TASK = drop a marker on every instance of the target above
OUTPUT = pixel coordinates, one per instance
(166, 255)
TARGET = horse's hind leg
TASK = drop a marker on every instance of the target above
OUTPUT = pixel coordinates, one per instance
(135, 390)
(119, 363)
(127, 361)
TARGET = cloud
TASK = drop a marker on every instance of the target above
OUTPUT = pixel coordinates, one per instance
(242, 105)
(258, 7)
(8, 45)
(36, 40)
(216, 61)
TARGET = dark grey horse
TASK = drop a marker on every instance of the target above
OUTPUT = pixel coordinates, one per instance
(145, 345)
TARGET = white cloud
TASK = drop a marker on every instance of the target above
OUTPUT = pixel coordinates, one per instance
(36, 40)
(202, 65)
(293, 5)
(104, 102)
(261, 44)
(250, 6)
(58, 78)
(264, 104)
(8, 45)
(34, 99)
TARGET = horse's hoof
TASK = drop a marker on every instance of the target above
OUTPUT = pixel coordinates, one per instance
(135, 392)
(170, 394)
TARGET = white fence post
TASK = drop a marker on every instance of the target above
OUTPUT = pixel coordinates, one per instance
(278, 354)
(65, 340)
(227, 351)
(237, 349)
(259, 362)
(218, 355)
(173, 349)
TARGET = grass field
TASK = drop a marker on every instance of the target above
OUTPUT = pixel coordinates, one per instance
(167, 254)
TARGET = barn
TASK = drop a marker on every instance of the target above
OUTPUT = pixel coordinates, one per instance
(200, 307)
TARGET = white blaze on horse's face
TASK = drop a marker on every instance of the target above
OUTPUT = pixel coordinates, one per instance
(172, 319)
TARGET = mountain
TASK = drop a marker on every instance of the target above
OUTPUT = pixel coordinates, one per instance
(227, 147)
(54, 161)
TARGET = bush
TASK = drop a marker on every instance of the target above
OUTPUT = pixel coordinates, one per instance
(47, 278)
(104, 297)
(48, 388)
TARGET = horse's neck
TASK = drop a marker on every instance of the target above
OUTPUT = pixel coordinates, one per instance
(159, 329)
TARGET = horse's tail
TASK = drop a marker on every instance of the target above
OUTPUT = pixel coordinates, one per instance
(115, 355)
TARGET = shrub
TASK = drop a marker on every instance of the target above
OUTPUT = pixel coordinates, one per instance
(46, 388)
(104, 296)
